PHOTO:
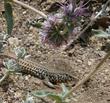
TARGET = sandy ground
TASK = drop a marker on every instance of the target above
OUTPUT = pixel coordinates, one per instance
(78, 62)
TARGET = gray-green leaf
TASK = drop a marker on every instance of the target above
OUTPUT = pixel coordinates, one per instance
(65, 90)
(56, 97)
(8, 16)
(41, 93)
(20, 52)
(100, 33)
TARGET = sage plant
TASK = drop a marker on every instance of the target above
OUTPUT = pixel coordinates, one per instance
(59, 27)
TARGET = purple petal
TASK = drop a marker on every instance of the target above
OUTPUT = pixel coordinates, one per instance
(80, 11)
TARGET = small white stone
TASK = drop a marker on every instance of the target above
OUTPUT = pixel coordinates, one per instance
(26, 77)
(13, 41)
(79, 61)
(27, 56)
(24, 12)
(17, 95)
(90, 62)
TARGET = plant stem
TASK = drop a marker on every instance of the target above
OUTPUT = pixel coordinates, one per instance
(4, 77)
(31, 8)
(103, 9)
(89, 75)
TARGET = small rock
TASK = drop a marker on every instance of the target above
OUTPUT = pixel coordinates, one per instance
(17, 94)
(90, 62)
(30, 35)
(24, 12)
(101, 53)
(79, 61)
(13, 41)
(27, 77)
(27, 56)
(31, 28)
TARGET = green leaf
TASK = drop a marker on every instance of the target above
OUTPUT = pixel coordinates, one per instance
(20, 52)
(37, 25)
(11, 65)
(8, 16)
(41, 93)
(100, 33)
(56, 97)
(65, 90)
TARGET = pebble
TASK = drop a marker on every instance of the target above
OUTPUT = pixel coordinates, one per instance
(101, 53)
(13, 41)
(24, 12)
(27, 77)
(17, 95)
(90, 62)
(79, 61)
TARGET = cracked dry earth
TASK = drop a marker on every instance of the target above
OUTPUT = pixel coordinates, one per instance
(78, 62)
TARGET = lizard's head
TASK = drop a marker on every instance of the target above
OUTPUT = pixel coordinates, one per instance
(71, 79)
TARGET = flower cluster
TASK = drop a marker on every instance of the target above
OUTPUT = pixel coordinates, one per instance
(53, 31)
(58, 27)
(73, 11)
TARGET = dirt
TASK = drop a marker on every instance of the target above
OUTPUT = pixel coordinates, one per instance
(78, 62)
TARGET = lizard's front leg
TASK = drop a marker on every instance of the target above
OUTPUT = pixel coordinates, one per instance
(48, 83)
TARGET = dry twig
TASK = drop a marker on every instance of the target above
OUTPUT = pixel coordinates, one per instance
(31, 8)
(4, 77)
(89, 75)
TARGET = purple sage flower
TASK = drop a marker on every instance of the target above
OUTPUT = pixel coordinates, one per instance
(59, 27)
(73, 11)
(54, 31)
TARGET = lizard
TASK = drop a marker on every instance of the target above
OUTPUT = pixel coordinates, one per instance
(39, 71)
